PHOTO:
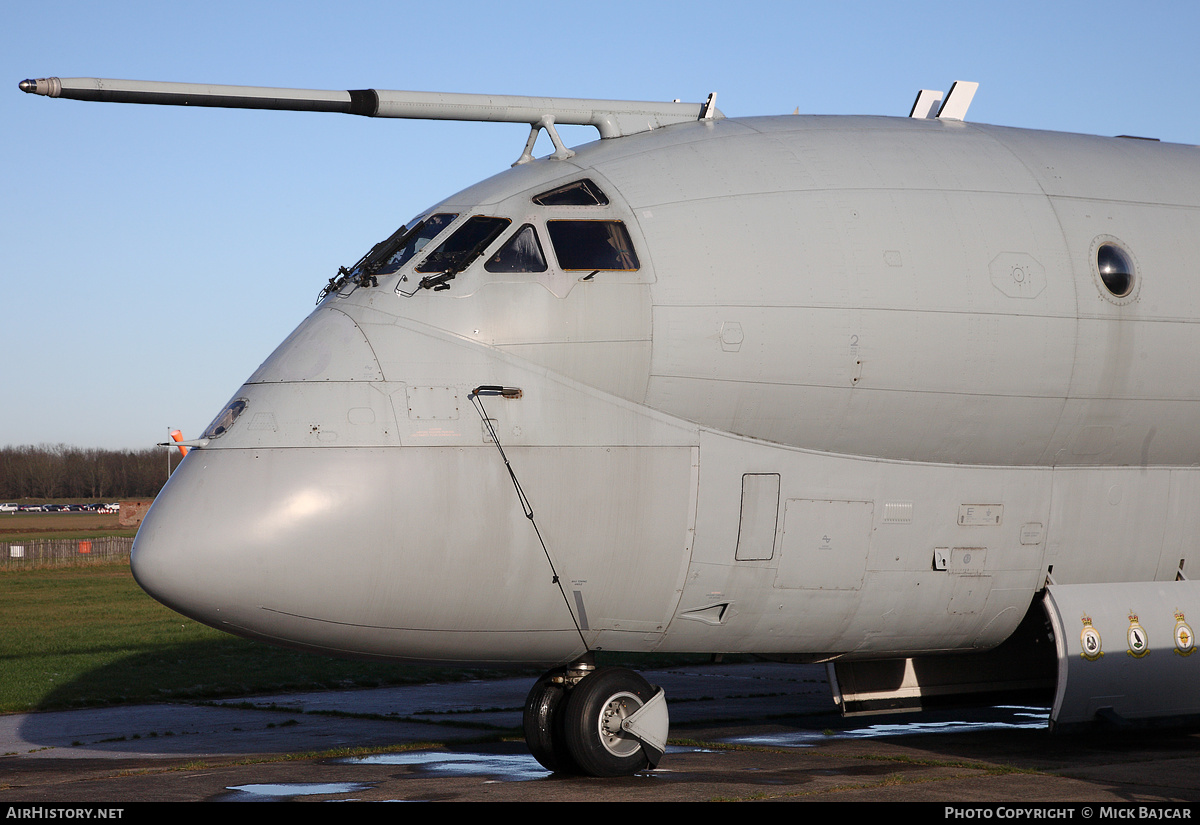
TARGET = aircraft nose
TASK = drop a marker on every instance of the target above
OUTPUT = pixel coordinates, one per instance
(310, 521)
(356, 551)
(237, 536)
(173, 556)
(230, 516)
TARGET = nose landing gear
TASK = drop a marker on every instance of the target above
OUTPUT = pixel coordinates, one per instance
(598, 722)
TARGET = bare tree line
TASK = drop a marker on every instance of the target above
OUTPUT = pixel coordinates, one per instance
(62, 471)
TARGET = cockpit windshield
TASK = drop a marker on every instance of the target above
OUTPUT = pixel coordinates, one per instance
(522, 253)
(458, 251)
(414, 239)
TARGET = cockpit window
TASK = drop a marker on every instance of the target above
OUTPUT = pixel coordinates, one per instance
(523, 253)
(415, 241)
(458, 251)
(580, 193)
(592, 245)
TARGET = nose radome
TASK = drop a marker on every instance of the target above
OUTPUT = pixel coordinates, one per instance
(165, 566)
(184, 552)
(366, 550)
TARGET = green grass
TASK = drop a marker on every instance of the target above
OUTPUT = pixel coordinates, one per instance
(88, 635)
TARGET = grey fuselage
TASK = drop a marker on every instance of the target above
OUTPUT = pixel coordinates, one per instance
(864, 393)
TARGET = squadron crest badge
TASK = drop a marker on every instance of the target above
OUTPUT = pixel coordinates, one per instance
(1185, 639)
(1139, 643)
(1089, 641)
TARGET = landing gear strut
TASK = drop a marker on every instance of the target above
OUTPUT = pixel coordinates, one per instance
(605, 722)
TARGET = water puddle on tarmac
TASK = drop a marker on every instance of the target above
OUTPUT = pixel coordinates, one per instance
(285, 790)
(502, 767)
(1003, 718)
(505, 767)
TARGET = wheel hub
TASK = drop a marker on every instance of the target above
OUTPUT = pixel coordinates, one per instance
(612, 715)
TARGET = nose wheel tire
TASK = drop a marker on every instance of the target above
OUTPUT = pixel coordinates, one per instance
(592, 718)
(543, 725)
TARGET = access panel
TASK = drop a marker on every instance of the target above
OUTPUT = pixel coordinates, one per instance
(825, 544)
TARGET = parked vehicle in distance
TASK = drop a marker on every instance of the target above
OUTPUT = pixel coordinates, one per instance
(9, 508)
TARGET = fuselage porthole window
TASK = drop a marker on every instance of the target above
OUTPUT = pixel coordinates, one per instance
(592, 245)
(1116, 269)
(522, 253)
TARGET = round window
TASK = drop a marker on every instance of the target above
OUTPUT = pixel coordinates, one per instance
(225, 419)
(1115, 270)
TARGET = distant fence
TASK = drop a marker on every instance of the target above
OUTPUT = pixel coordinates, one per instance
(42, 552)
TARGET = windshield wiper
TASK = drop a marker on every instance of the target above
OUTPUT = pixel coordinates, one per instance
(366, 266)
(438, 282)
(451, 258)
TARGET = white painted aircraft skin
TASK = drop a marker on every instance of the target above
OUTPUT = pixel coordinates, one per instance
(864, 396)
(885, 351)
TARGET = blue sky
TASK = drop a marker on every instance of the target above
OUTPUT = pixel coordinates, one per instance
(152, 257)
